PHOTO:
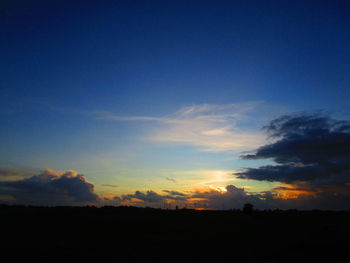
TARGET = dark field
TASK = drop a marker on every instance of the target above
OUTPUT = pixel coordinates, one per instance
(125, 234)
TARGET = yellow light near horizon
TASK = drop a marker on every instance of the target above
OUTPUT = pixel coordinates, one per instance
(219, 189)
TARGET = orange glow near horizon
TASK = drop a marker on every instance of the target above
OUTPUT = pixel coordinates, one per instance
(209, 188)
(198, 199)
(294, 191)
(293, 194)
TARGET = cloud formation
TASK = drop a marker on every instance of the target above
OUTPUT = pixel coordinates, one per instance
(155, 198)
(149, 196)
(234, 197)
(311, 154)
(231, 197)
(50, 188)
(211, 128)
(312, 149)
(309, 148)
(72, 189)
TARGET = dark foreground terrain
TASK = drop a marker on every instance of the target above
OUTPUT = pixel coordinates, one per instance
(126, 234)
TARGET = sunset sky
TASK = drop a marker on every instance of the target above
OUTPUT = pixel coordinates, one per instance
(161, 103)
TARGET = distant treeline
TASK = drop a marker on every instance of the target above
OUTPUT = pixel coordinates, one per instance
(134, 209)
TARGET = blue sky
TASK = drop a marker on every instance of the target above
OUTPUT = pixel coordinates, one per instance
(102, 87)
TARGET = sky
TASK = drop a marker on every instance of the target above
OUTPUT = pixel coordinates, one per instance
(163, 103)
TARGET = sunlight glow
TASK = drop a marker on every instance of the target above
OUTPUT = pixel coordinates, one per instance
(219, 176)
(219, 189)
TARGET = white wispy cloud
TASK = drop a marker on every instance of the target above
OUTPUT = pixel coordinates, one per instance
(210, 127)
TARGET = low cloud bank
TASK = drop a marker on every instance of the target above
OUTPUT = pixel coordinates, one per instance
(235, 198)
(50, 188)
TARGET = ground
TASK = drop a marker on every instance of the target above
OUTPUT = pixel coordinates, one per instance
(127, 234)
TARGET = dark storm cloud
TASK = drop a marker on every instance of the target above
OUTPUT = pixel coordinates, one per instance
(309, 147)
(51, 188)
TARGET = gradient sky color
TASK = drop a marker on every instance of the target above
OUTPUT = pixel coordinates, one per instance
(162, 94)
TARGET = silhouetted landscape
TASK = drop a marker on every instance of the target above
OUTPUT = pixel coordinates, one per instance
(123, 234)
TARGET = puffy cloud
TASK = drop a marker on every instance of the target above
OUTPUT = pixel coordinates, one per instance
(233, 198)
(51, 188)
(149, 196)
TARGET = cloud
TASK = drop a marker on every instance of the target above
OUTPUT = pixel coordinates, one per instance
(211, 128)
(109, 201)
(149, 196)
(205, 178)
(301, 196)
(306, 139)
(288, 173)
(171, 179)
(312, 150)
(211, 198)
(152, 197)
(50, 188)
(70, 188)
(233, 198)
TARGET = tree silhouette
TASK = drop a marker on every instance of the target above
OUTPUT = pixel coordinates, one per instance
(248, 208)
